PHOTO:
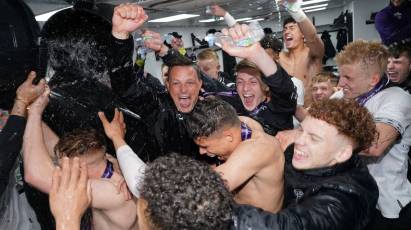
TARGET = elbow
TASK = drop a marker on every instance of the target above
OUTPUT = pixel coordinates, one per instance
(30, 177)
(374, 152)
(34, 180)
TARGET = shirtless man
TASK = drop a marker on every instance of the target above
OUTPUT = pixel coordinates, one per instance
(305, 49)
(110, 209)
(302, 59)
(253, 169)
(253, 162)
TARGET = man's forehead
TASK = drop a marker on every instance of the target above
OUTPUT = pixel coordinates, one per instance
(207, 61)
(183, 71)
(202, 141)
(322, 83)
(248, 73)
(318, 127)
(290, 24)
(403, 55)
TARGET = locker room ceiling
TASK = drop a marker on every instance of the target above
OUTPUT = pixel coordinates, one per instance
(163, 8)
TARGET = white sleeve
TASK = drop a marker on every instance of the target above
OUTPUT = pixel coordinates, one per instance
(229, 20)
(393, 108)
(300, 90)
(294, 9)
(132, 168)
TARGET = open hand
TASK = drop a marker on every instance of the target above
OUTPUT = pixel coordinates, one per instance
(27, 91)
(154, 42)
(70, 194)
(38, 106)
(116, 128)
(239, 33)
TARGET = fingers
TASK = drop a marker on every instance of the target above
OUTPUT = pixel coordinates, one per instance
(55, 185)
(89, 191)
(225, 32)
(245, 31)
(103, 118)
(121, 117)
(233, 33)
(116, 115)
(130, 11)
(238, 32)
(31, 76)
(65, 178)
(75, 173)
(44, 98)
(82, 182)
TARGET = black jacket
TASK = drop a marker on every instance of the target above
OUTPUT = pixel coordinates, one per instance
(164, 129)
(338, 197)
(11, 140)
(277, 114)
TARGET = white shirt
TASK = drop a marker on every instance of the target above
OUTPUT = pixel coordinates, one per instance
(392, 106)
(300, 97)
(132, 168)
(300, 90)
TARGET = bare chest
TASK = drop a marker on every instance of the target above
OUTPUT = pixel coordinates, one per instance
(265, 193)
(300, 66)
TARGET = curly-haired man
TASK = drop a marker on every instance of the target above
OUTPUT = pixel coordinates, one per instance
(326, 185)
(181, 193)
(362, 65)
(174, 192)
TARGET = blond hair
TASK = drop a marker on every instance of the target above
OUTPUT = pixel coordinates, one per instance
(372, 56)
(207, 54)
(324, 77)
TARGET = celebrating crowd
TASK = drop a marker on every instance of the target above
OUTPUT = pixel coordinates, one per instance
(280, 144)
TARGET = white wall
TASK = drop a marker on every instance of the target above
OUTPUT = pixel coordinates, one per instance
(362, 12)
(321, 18)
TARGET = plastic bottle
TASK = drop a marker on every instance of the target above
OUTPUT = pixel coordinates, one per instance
(139, 39)
(256, 34)
(208, 10)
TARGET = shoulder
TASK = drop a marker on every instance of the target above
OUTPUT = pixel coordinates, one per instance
(394, 96)
(263, 145)
(383, 13)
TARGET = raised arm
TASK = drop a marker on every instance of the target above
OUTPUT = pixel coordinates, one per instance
(11, 137)
(38, 165)
(254, 53)
(131, 165)
(217, 10)
(126, 19)
(313, 42)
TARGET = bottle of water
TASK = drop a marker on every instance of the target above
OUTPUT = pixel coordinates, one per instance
(208, 10)
(139, 40)
(256, 34)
